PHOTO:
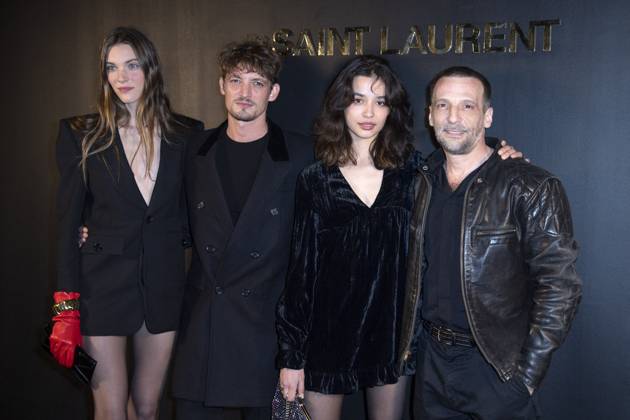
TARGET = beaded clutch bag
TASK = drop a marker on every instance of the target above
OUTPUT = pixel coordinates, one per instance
(282, 409)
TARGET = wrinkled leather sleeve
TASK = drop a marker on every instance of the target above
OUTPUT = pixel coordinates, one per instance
(551, 252)
(295, 307)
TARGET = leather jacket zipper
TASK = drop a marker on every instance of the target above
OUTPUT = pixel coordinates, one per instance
(464, 297)
(495, 232)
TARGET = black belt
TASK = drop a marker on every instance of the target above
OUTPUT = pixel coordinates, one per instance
(447, 336)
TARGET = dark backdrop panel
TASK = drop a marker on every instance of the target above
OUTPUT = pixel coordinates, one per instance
(566, 109)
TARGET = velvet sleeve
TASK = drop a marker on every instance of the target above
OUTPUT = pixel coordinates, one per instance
(295, 308)
(71, 195)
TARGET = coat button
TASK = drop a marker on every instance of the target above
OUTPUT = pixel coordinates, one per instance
(255, 255)
(218, 290)
(97, 247)
(201, 205)
(425, 167)
(210, 249)
(479, 180)
(150, 219)
(246, 292)
(274, 212)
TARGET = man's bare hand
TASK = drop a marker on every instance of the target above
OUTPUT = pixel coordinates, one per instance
(83, 235)
(508, 152)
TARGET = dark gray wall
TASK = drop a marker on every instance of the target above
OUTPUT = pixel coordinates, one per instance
(566, 109)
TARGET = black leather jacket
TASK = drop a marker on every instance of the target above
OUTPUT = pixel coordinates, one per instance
(519, 283)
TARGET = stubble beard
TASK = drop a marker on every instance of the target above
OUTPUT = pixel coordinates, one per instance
(458, 147)
(243, 116)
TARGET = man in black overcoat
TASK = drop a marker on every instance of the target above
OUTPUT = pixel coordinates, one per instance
(240, 180)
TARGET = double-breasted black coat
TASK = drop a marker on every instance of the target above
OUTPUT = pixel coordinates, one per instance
(131, 268)
(226, 345)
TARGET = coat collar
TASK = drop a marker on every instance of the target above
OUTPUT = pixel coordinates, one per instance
(437, 157)
(272, 171)
(114, 157)
(276, 147)
(118, 167)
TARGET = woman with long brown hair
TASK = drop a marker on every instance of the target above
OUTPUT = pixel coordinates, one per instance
(121, 176)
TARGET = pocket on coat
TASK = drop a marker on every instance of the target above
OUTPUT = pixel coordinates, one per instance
(103, 244)
(489, 235)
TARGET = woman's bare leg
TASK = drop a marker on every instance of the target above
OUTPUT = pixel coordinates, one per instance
(109, 382)
(387, 402)
(323, 406)
(152, 353)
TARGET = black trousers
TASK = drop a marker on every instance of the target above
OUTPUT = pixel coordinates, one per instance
(195, 410)
(456, 383)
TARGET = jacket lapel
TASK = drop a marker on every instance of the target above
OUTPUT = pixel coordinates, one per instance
(208, 184)
(116, 165)
(273, 168)
(168, 154)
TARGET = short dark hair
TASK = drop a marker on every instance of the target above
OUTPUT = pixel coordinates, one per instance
(255, 54)
(392, 146)
(462, 71)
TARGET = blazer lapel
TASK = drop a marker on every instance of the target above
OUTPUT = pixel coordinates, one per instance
(208, 184)
(168, 153)
(115, 163)
(274, 165)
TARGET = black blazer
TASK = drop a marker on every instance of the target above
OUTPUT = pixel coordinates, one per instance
(131, 269)
(227, 343)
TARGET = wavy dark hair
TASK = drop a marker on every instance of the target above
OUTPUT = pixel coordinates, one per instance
(255, 54)
(392, 146)
(153, 113)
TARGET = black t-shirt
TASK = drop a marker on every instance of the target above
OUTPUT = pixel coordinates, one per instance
(442, 300)
(237, 164)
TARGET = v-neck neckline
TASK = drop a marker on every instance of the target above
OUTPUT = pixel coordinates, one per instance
(376, 197)
(132, 175)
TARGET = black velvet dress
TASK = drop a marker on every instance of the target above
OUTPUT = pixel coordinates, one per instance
(340, 315)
